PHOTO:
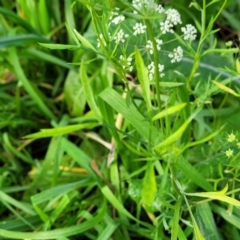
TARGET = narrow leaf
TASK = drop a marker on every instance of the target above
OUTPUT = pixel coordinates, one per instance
(130, 113)
(88, 92)
(26, 84)
(220, 195)
(149, 187)
(115, 202)
(226, 89)
(193, 175)
(59, 46)
(61, 130)
(204, 211)
(142, 74)
(84, 41)
(169, 111)
(174, 136)
(176, 217)
(197, 232)
(56, 233)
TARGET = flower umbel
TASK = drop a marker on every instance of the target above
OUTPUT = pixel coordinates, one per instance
(149, 46)
(118, 19)
(139, 28)
(151, 68)
(120, 36)
(177, 55)
(166, 26)
(190, 32)
(173, 16)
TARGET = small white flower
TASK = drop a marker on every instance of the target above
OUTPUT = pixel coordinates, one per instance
(139, 28)
(101, 40)
(159, 43)
(177, 55)
(160, 69)
(190, 32)
(138, 4)
(173, 16)
(149, 46)
(147, 5)
(151, 68)
(166, 26)
(120, 36)
(118, 19)
(114, 13)
(159, 8)
(129, 62)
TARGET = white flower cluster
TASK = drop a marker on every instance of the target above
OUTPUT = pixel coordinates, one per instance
(120, 37)
(149, 46)
(141, 4)
(118, 19)
(190, 32)
(177, 55)
(139, 28)
(151, 69)
(114, 13)
(173, 18)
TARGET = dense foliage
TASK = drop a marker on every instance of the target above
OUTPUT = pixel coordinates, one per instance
(119, 119)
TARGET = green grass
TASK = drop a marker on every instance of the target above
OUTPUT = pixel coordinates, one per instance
(91, 149)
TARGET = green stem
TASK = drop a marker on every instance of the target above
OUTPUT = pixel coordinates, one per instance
(193, 72)
(197, 54)
(156, 62)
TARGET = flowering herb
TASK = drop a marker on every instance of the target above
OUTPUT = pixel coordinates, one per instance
(163, 23)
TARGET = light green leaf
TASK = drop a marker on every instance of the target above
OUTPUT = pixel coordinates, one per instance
(84, 41)
(226, 89)
(168, 84)
(142, 74)
(59, 46)
(115, 202)
(237, 65)
(149, 187)
(220, 195)
(197, 232)
(169, 111)
(61, 130)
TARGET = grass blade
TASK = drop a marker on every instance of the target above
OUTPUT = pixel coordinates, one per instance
(26, 84)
